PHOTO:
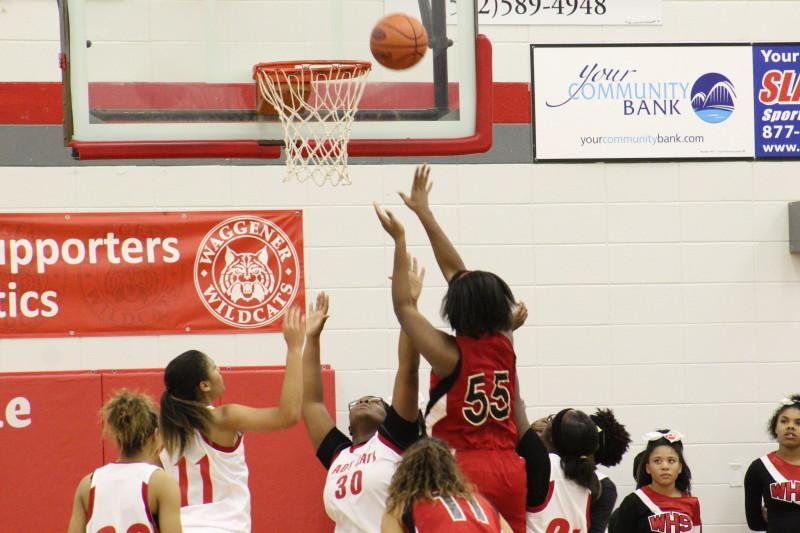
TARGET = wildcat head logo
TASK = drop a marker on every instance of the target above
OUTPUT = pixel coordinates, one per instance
(246, 272)
(246, 276)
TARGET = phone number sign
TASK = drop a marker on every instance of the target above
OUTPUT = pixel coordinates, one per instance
(776, 86)
(550, 12)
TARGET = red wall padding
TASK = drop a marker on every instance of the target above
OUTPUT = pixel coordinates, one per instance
(43, 462)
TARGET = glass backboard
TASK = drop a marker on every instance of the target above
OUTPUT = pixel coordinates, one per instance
(173, 78)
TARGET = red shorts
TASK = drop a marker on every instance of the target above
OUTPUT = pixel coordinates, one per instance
(500, 476)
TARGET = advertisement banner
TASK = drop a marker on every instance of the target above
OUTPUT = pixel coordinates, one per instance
(623, 102)
(148, 273)
(548, 12)
(776, 85)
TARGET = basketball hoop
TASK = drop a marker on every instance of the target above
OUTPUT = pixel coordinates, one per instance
(316, 102)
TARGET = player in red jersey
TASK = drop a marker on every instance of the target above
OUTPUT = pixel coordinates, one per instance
(428, 494)
(473, 378)
(130, 494)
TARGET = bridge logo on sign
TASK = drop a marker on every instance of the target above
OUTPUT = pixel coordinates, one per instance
(713, 97)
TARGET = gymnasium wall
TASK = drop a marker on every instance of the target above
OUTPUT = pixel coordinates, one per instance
(664, 290)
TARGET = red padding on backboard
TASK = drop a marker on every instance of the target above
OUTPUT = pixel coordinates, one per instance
(175, 150)
(42, 463)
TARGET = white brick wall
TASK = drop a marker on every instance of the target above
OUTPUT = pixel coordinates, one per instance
(664, 290)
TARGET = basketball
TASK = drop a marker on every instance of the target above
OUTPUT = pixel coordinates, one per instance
(398, 41)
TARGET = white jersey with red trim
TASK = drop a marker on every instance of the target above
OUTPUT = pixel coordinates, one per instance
(118, 498)
(212, 478)
(358, 484)
(566, 507)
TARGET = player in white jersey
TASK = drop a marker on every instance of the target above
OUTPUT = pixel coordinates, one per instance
(563, 484)
(614, 442)
(361, 467)
(204, 446)
(132, 494)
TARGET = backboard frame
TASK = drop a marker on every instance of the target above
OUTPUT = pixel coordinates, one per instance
(479, 140)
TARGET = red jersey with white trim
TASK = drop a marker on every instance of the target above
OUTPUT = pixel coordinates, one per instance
(453, 514)
(212, 478)
(566, 506)
(773, 483)
(670, 515)
(472, 408)
(118, 498)
(358, 484)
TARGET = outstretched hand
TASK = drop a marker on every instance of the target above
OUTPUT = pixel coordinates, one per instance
(416, 276)
(417, 201)
(392, 226)
(294, 328)
(519, 315)
(317, 315)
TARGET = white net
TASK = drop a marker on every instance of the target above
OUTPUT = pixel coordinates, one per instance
(316, 103)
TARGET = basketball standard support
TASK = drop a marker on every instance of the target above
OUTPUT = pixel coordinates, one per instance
(439, 44)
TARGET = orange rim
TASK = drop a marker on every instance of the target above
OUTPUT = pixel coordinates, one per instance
(311, 70)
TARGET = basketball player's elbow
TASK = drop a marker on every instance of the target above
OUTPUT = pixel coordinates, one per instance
(289, 415)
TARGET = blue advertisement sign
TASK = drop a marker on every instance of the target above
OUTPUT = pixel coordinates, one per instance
(776, 88)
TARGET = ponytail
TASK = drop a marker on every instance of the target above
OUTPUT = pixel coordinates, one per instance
(182, 412)
(575, 439)
(581, 470)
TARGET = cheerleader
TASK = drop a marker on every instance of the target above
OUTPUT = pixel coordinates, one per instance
(662, 500)
(772, 482)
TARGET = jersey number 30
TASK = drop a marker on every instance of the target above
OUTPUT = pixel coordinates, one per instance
(496, 403)
(355, 485)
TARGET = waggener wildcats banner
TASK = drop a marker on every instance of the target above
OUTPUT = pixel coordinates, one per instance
(148, 273)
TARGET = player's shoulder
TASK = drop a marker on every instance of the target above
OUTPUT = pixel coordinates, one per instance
(161, 483)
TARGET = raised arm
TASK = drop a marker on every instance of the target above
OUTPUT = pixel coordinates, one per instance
(406, 381)
(240, 418)
(446, 254)
(438, 348)
(317, 419)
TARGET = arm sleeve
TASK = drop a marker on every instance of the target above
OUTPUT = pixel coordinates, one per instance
(625, 518)
(398, 430)
(537, 467)
(600, 511)
(752, 498)
(334, 442)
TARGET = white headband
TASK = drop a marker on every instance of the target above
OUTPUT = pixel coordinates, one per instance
(671, 436)
(788, 401)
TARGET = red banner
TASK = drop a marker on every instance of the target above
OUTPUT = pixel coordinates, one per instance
(148, 273)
